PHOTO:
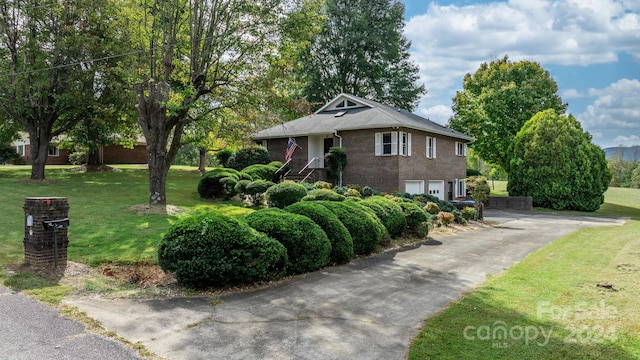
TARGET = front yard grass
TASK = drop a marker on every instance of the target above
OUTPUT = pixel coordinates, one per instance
(581, 289)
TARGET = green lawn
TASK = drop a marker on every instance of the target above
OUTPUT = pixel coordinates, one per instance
(102, 229)
(553, 298)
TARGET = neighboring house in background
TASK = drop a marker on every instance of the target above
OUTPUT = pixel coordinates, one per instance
(388, 149)
(112, 154)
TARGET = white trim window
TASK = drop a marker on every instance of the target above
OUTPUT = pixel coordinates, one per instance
(386, 144)
(54, 151)
(461, 149)
(20, 149)
(405, 144)
(460, 188)
(431, 147)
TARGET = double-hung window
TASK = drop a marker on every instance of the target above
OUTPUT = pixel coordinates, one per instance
(54, 151)
(20, 150)
(386, 143)
(460, 188)
(393, 143)
(431, 147)
(461, 149)
(405, 144)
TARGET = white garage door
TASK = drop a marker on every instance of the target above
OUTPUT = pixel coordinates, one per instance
(436, 188)
(414, 186)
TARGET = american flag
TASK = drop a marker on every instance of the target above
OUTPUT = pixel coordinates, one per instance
(291, 147)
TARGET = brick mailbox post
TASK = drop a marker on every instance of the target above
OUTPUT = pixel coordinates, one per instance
(45, 231)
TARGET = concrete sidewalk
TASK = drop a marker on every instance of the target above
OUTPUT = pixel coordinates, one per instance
(368, 309)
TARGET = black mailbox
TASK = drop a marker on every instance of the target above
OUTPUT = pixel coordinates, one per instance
(56, 224)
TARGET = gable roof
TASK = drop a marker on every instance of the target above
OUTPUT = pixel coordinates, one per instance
(348, 112)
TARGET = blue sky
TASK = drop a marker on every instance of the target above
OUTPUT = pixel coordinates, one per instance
(590, 47)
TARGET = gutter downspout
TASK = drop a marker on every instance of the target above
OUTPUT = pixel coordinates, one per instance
(335, 133)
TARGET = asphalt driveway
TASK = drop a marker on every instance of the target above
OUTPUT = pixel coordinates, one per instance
(368, 309)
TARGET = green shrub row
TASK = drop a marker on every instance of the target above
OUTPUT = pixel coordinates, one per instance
(216, 250)
(308, 247)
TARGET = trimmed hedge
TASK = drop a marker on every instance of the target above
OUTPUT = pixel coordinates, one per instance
(268, 172)
(389, 213)
(219, 183)
(341, 241)
(366, 230)
(308, 247)
(417, 218)
(213, 249)
(242, 158)
(284, 194)
(323, 194)
(258, 187)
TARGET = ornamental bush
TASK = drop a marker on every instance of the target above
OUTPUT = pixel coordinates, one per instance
(389, 213)
(446, 218)
(258, 187)
(219, 183)
(417, 218)
(244, 157)
(432, 208)
(268, 172)
(554, 162)
(308, 248)
(213, 249)
(284, 194)
(469, 213)
(366, 230)
(323, 194)
(341, 241)
(323, 185)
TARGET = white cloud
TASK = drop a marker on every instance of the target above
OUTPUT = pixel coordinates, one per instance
(615, 112)
(451, 40)
(571, 94)
(438, 113)
(627, 140)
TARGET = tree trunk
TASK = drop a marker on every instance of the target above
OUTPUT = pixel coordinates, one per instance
(93, 158)
(202, 160)
(157, 179)
(39, 154)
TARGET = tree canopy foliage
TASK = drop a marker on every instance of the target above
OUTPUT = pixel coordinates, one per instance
(497, 100)
(48, 73)
(361, 51)
(554, 161)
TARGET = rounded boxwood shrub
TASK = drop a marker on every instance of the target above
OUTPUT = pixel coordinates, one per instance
(213, 249)
(268, 172)
(341, 242)
(222, 156)
(366, 231)
(432, 208)
(242, 158)
(308, 247)
(414, 214)
(258, 187)
(323, 185)
(219, 183)
(241, 186)
(284, 194)
(323, 194)
(389, 213)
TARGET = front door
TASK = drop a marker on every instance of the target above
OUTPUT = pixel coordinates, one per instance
(315, 150)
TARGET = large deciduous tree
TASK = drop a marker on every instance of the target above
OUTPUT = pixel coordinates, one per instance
(47, 66)
(200, 54)
(554, 161)
(361, 51)
(497, 100)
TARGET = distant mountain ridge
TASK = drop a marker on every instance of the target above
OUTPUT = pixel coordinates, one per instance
(629, 153)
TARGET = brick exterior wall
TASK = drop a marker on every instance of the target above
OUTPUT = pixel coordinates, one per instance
(116, 154)
(61, 159)
(385, 173)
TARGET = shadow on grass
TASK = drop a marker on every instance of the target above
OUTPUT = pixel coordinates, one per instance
(478, 328)
(609, 209)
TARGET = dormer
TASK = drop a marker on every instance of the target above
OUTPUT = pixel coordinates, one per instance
(343, 102)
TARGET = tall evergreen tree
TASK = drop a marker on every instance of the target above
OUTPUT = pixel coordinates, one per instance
(361, 51)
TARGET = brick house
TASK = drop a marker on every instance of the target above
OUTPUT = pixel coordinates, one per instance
(112, 154)
(388, 149)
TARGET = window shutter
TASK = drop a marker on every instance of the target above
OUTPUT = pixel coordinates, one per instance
(434, 147)
(378, 144)
(394, 143)
(408, 144)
